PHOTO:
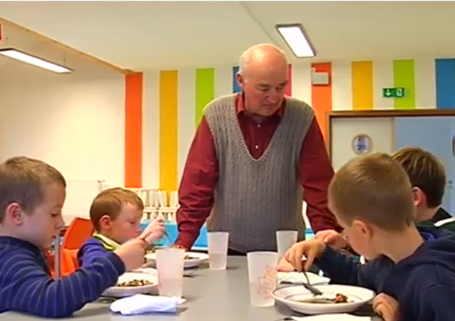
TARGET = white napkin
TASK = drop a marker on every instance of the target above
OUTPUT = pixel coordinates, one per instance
(140, 304)
(332, 317)
(298, 278)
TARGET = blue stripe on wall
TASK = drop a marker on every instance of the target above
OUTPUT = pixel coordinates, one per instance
(235, 85)
(445, 83)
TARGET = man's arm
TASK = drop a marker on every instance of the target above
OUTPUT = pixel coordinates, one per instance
(25, 286)
(316, 172)
(197, 187)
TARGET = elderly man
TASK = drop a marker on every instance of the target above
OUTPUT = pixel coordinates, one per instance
(253, 157)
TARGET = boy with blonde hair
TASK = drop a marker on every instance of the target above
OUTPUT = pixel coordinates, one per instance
(32, 195)
(412, 270)
(116, 214)
(428, 179)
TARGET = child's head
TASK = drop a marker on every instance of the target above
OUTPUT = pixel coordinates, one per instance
(427, 177)
(371, 196)
(32, 195)
(116, 213)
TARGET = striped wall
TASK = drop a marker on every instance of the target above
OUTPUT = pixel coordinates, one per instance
(163, 108)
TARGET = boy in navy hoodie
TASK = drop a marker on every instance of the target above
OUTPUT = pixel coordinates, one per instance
(32, 194)
(411, 269)
(428, 178)
(116, 214)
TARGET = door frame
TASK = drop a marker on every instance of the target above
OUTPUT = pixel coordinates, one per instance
(379, 113)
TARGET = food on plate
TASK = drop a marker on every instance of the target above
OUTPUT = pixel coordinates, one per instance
(189, 257)
(339, 298)
(134, 283)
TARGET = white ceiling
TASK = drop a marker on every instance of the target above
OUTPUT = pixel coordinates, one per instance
(157, 35)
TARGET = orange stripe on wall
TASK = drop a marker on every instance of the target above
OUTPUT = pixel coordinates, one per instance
(322, 96)
(169, 103)
(133, 130)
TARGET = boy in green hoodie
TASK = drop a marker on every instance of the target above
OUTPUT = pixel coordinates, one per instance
(428, 179)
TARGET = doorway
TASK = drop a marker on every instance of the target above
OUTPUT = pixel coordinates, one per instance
(432, 130)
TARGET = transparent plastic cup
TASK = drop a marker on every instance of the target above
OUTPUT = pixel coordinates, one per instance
(169, 264)
(262, 276)
(218, 248)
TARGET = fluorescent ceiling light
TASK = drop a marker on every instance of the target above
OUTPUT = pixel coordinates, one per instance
(35, 61)
(296, 39)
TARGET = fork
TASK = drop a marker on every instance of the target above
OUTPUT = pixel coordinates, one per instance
(308, 285)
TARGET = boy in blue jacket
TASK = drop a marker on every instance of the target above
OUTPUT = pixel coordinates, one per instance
(32, 194)
(116, 214)
(411, 269)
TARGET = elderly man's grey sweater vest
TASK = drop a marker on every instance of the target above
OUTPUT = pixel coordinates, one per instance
(254, 198)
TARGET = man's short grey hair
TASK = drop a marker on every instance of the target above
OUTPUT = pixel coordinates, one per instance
(246, 55)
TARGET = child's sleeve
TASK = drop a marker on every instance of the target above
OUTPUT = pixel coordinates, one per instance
(343, 269)
(90, 252)
(438, 299)
(26, 287)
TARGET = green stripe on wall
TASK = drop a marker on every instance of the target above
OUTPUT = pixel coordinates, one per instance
(205, 90)
(403, 76)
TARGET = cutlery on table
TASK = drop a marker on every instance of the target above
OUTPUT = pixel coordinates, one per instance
(310, 287)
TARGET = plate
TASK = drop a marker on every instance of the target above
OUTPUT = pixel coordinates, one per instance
(290, 295)
(298, 278)
(195, 259)
(124, 291)
(331, 317)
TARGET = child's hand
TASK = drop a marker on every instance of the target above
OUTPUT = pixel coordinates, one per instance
(154, 231)
(311, 249)
(386, 307)
(285, 266)
(132, 253)
(333, 239)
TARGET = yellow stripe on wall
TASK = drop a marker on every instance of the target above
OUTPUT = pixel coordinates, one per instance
(168, 129)
(362, 85)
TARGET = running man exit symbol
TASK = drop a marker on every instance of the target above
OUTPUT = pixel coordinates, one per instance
(397, 92)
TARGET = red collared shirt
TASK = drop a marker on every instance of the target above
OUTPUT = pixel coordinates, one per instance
(200, 176)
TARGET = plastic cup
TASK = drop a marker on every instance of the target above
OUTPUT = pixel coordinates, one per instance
(169, 265)
(262, 276)
(284, 240)
(218, 248)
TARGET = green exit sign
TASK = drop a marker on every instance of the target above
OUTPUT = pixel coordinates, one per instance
(397, 92)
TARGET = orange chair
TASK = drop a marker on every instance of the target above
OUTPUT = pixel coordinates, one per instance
(77, 233)
(68, 264)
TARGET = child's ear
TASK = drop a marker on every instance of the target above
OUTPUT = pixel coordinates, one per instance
(15, 213)
(105, 221)
(362, 227)
(418, 196)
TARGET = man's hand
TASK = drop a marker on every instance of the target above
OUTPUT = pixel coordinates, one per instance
(333, 239)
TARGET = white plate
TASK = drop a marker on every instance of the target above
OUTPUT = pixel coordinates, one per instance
(332, 317)
(124, 291)
(196, 259)
(357, 297)
(298, 277)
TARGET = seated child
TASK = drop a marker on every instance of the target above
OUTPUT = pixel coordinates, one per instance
(371, 196)
(116, 214)
(428, 179)
(32, 194)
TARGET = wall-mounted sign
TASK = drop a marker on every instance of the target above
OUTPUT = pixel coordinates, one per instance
(362, 144)
(397, 92)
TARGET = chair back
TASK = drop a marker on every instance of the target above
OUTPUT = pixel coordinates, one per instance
(77, 233)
